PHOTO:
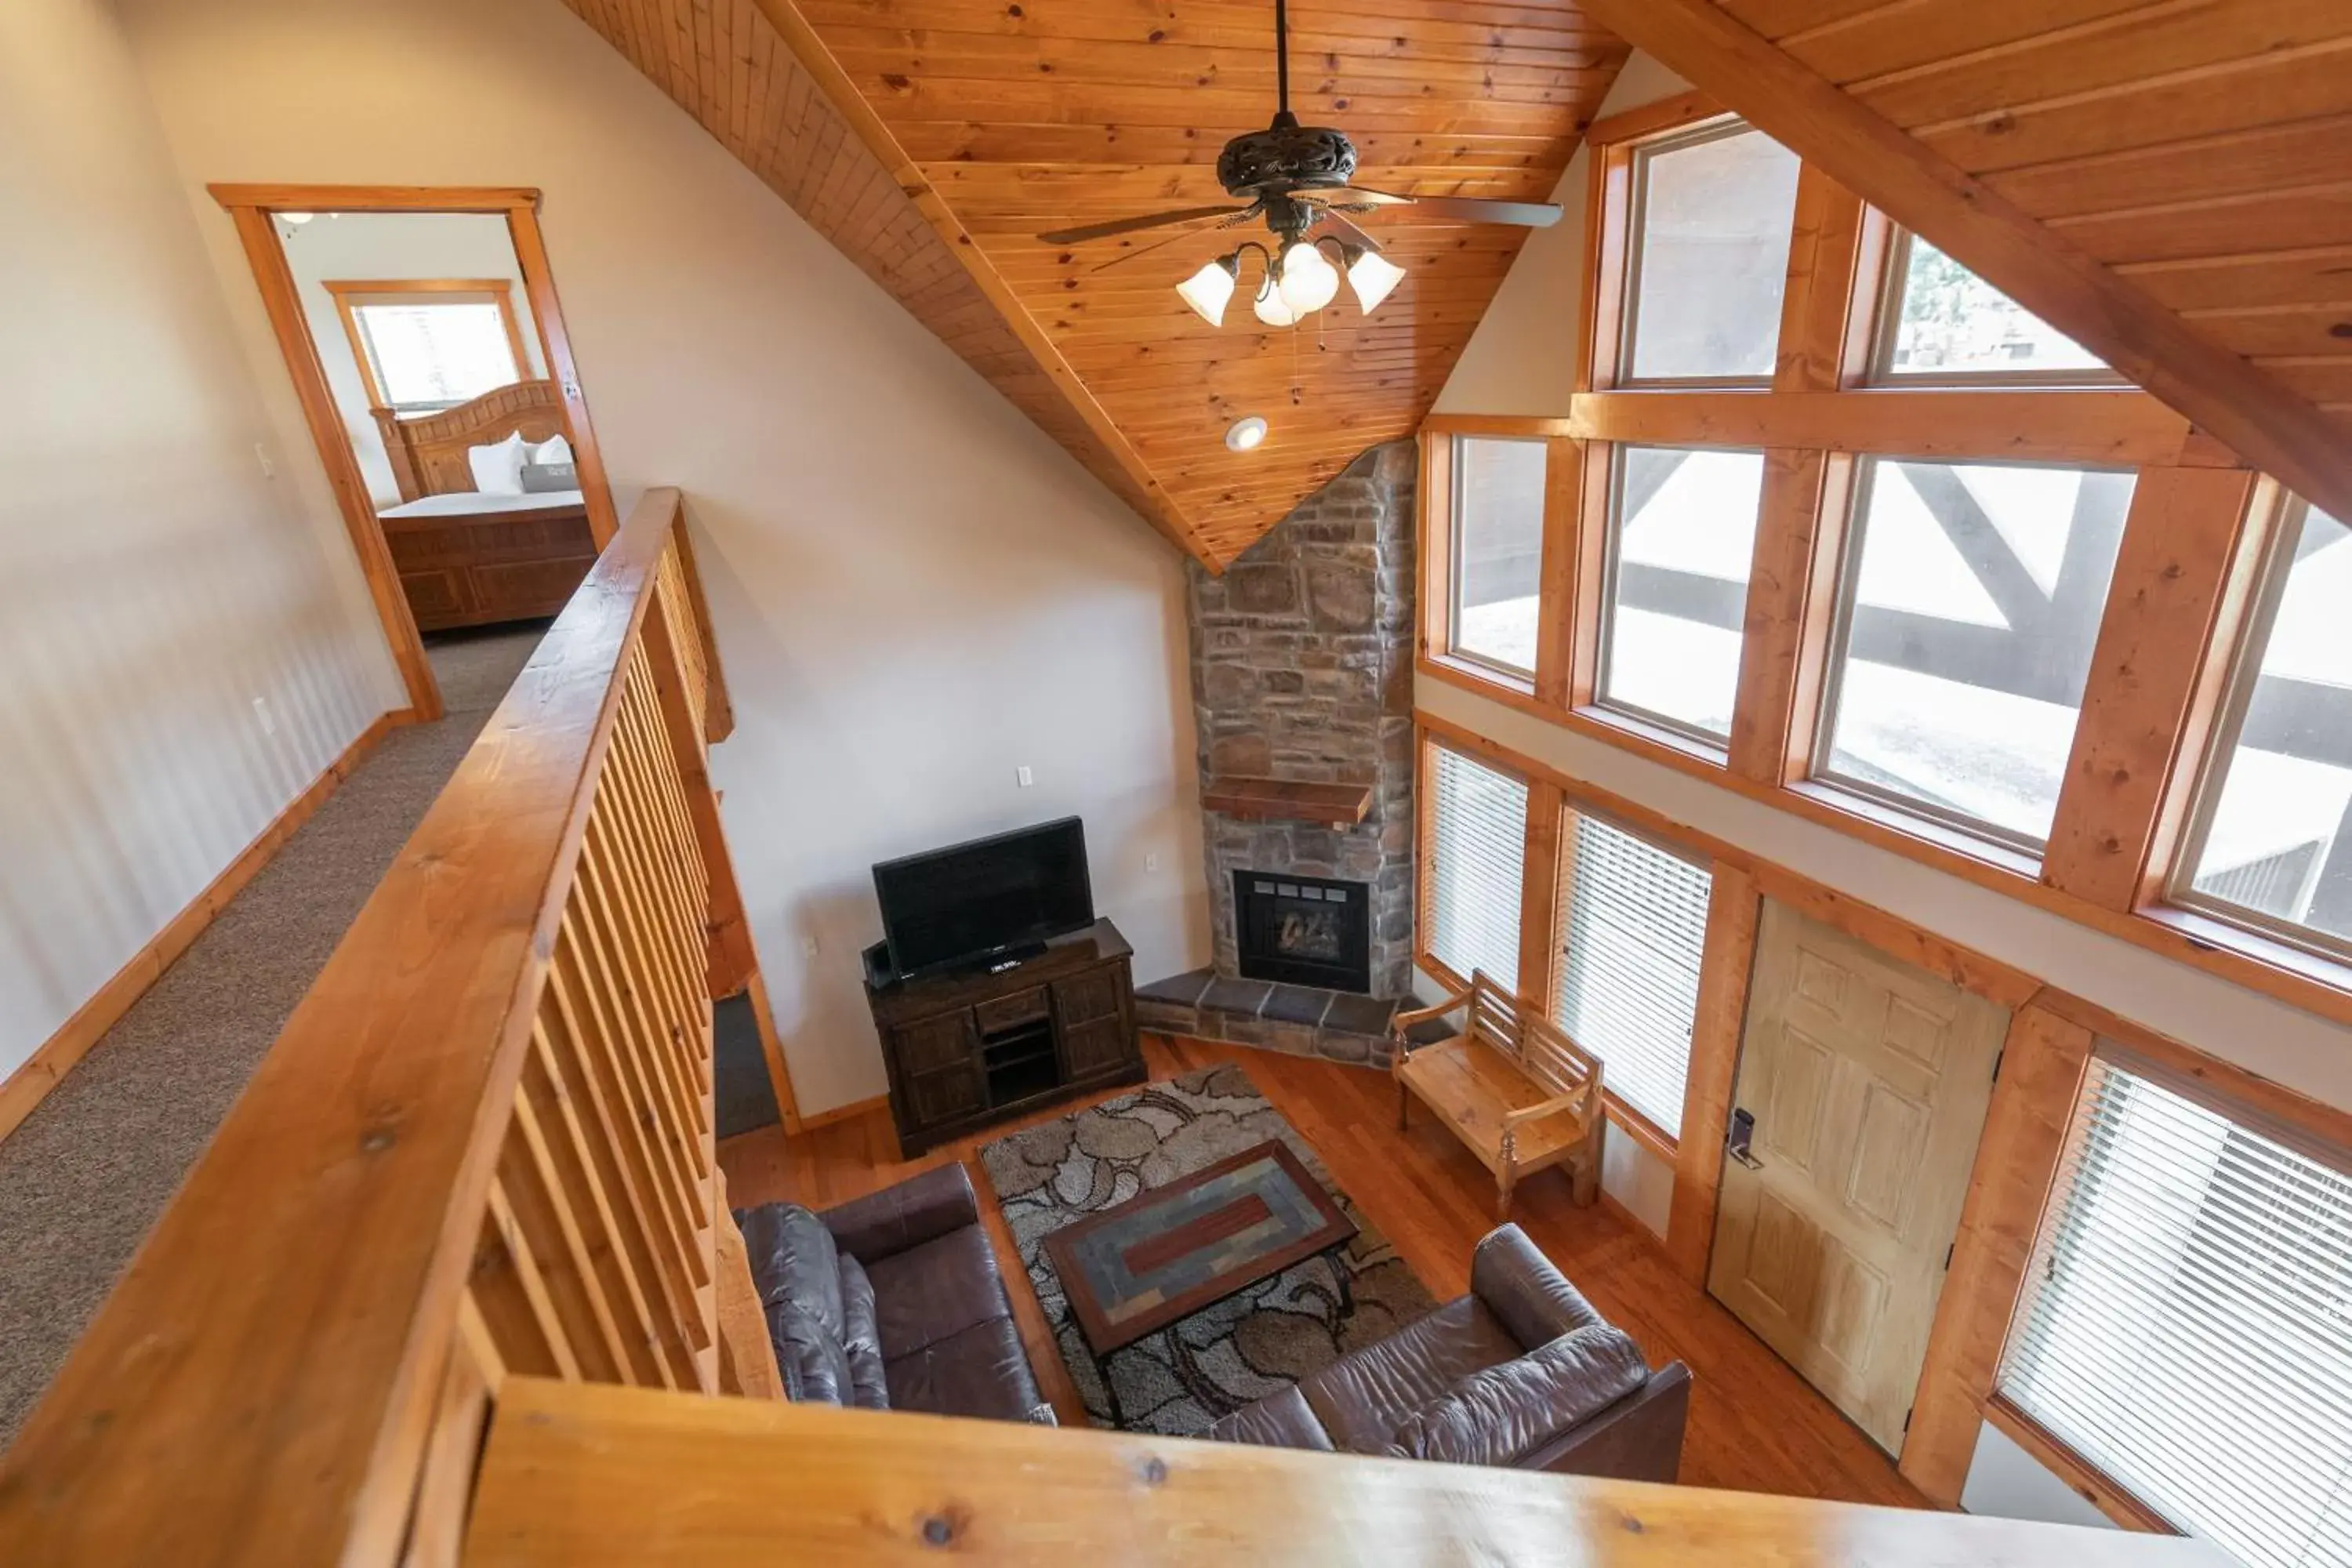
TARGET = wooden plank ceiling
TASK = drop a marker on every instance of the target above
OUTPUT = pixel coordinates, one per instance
(984, 121)
(2199, 153)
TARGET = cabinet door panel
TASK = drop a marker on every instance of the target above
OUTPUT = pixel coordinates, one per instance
(933, 1097)
(1090, 1049)
(1083, 998)
(946, 1041)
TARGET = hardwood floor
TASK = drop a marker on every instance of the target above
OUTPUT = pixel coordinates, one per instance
(1755, 1425)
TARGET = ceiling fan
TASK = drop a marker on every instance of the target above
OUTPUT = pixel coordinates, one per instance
(1296, 176)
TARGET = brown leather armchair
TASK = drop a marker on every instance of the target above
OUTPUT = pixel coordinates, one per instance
(1521, 1372)
(892, 1302)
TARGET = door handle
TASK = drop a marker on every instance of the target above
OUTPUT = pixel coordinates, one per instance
(1743, 1133)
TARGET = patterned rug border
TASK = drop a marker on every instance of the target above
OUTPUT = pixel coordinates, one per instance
(1265, 1337)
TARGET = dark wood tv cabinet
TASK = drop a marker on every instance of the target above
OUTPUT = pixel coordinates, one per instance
(968, 1050)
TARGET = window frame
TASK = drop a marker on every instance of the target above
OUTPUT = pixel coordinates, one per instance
(2220, 1088)
(1457, 539)
(1887, 329)
(352, 295)
(1706, 743)
(1427, 744)
(2242, 655)
(1636, 1122)
(1638, 155)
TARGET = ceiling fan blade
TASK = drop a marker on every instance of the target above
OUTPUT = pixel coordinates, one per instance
(1240, 216)
(1477, 209)
(1130, 225)
(1346, 228)
(1357, 196)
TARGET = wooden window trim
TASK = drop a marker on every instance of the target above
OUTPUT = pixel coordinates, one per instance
(1888, 312)
(351, 294)
(2081, 1477)
(1624, 211)
(1607, 209)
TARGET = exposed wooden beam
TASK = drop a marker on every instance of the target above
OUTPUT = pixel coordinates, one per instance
(2231, 398)
(836, 84)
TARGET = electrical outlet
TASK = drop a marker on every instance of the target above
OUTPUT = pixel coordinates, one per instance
(261, 454)
(1025, 776)
(268, 723)
(808, 947)
(1151, 862)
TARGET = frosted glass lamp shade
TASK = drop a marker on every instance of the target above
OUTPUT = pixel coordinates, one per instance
(1372, 276)
(1208, 289)
(1308, 281)
(1272, 307)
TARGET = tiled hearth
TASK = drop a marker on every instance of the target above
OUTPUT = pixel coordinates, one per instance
(1303, 1020)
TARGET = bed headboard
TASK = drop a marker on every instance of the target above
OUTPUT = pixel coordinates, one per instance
(428, 455)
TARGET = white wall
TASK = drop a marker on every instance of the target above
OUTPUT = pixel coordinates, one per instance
(152, 581)
(1521, 361)
(914, 590)
(339, 247)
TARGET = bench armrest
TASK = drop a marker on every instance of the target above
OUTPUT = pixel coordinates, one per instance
(1403, 1021)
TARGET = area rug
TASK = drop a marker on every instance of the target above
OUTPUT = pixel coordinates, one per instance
(1179, 1381)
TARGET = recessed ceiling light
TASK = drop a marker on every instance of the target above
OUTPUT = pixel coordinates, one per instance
(1246, 433)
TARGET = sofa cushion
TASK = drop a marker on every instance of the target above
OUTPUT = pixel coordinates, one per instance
(794, 1262)
(918, 1209)
(1501, 1414)
(809, 1355)
(861, 1339)
(935, 1291)
(979, 1370)
(1525, 1292)
(1362, 1397)
(1278, 1421)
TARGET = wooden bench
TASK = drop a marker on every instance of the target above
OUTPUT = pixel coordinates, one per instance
(1514, 1088)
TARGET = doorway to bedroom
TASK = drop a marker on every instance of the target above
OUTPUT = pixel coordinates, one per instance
(422, 335)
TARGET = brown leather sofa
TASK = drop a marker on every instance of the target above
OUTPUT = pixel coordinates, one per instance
(892, 1301)
(1520, 1371)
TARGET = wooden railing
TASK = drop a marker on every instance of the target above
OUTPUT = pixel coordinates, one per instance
(482, 1146)
(470, 1197)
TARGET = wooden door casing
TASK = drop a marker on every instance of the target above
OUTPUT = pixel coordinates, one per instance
(1869, 1081)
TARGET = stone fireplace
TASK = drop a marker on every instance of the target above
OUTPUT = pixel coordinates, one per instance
(1302, 676)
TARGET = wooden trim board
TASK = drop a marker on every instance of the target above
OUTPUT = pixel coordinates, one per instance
(48, 1065)
(851, 1111)
(772, 1050)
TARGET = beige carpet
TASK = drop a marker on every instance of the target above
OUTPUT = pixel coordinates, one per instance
(87, 1173)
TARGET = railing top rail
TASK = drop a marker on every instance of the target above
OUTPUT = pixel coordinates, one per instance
(259, 1385)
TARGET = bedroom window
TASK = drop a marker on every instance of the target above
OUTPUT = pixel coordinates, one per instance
(425, 345)
(2186, 1326)
(1682, 534)
(1941, 323)
(1498, 513)
(1712, 213)
(2273, 844)
(1473, 864)
(1627, 985)
(1969, 605)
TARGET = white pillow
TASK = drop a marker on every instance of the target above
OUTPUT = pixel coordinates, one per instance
(498, 470)
(554, 450)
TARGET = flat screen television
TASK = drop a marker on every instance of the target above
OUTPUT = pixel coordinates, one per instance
(971, 903)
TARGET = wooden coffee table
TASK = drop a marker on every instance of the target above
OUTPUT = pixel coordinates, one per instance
(1136, 1268)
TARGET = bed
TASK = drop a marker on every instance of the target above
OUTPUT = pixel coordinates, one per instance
(466, 559)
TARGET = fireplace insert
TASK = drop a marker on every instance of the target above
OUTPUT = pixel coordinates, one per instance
(1308, 930)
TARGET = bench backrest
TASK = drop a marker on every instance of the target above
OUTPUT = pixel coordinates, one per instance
(1542, 1050)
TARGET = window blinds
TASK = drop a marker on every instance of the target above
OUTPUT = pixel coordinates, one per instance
(2187, 1325)
(1477, 862)
(1628, 979)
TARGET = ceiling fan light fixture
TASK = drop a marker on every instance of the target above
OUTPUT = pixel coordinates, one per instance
(1271, 308)
(1308, 281)
(1372, 276)
(1208, 289)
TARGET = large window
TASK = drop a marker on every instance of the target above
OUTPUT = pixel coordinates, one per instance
(1627, 989)
(2187, 1325)
(1971, 602)
(1476, 848)
(2275, 845)
(1498, 508)
(1942, 323)
(1682, 534)
(1712, 215)
(426, 344)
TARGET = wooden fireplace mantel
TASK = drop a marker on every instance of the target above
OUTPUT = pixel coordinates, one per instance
(1287, 800)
